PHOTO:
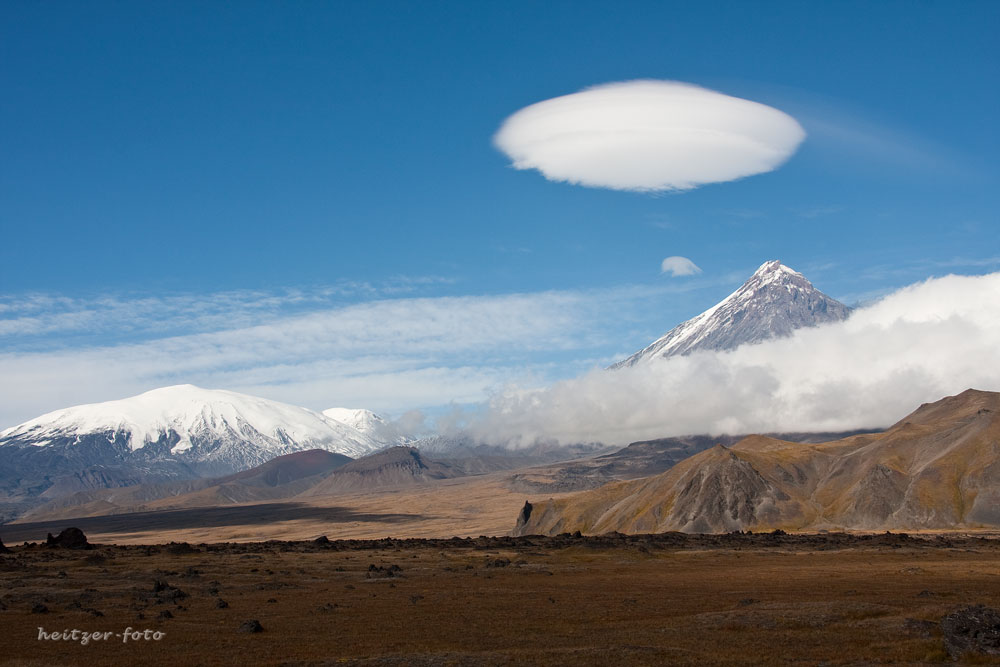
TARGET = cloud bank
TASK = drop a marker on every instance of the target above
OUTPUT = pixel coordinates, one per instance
(648, 136)
(679, 266)
(919, 344)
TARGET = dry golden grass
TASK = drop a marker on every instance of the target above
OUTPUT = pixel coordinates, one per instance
(569, 604)
(466, 506)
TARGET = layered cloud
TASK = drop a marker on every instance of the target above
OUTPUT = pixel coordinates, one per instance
(648, 136)
(294, 346)
(679, 266)
(919, 344)
(116, 317)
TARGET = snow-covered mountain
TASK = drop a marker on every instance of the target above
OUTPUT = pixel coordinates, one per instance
(774, 302)
(169, 433)
(370, 424)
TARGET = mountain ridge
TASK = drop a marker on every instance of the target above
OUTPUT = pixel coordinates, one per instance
(937, 468)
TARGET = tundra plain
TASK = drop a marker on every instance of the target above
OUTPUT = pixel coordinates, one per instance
(736, 599)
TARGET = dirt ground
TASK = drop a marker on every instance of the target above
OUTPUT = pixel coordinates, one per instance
(611, 600)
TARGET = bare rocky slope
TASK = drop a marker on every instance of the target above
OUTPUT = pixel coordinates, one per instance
(293, 478)
(939, 468)
(279, 478)
(639, 459)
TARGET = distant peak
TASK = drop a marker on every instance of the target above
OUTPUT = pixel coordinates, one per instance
(772, 303)
(774, 266)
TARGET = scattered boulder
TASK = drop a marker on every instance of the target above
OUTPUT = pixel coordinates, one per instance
(221, 604)
(180, 548)
(250, 626)
(39, 609)
(974, 629)
(380, 572)
(321, 540)
(497, 562)
(3, 549)
(165, 592)
(70, 538)
(165, 614)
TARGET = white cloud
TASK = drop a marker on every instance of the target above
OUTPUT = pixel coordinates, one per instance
(919, 344)
(679, 266)
(648, 136)
(118, 316)
(389, 355)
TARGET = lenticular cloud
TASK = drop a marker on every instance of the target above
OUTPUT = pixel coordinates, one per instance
(679, 266)
(648, 136)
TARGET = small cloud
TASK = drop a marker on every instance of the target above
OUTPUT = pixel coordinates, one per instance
(679, 266)
(648, 136)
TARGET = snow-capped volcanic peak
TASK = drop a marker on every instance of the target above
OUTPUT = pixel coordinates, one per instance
(192, 416)
(775, 301)
(359, 418)
(367, 422)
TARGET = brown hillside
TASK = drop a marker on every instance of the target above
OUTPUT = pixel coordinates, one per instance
(938, 468)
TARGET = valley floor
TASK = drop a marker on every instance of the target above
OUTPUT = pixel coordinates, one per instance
(465, 506)
(668, 599)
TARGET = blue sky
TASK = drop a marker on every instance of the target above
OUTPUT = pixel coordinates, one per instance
(173, 171)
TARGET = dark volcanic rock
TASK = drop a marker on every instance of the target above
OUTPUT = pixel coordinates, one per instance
(180, 548)
(70, 538)
(380, 572)
(165, 592)
(251, 626)
(3, 549)
(974, 629)
(523, 516)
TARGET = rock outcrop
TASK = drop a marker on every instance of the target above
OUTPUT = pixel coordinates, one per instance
(971, 630)
(70, 538)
